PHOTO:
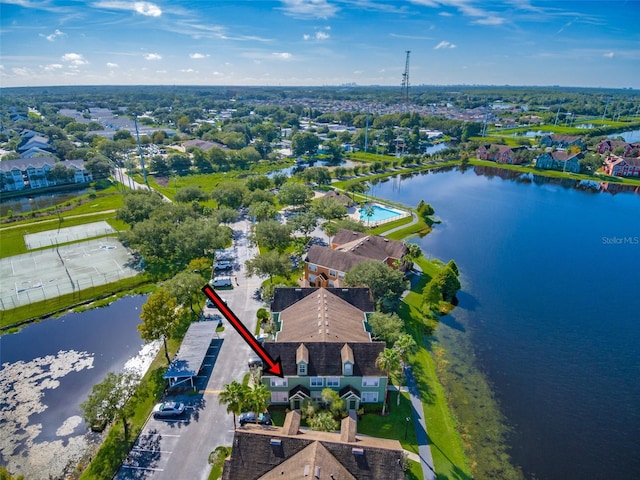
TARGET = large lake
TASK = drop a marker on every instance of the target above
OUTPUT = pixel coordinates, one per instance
(551, 307)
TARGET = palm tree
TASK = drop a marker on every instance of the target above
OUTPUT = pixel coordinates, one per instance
(389, 361)
(257, 399)
(404, 346)
(234, 396)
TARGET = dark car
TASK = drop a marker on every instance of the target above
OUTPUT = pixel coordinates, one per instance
(250, 417)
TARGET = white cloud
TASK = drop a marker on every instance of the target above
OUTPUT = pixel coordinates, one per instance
(444, 44)
(75, 59)
(188, 70)
(52, 67)
(152, 56)
(309, 8)
(23, 72)
(198, 56)
(466, 8)
(53, 36)
(112, 65)
(321, 36)
(609, 55)
(490, 20)
(147, 9)
(306, 36)
(282, 55)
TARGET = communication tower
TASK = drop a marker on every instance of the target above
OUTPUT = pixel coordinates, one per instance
(405, 81)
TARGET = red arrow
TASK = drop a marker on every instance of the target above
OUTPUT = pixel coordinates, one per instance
(274, 367)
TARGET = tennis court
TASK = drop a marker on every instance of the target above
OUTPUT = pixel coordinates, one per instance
(48, 273)
(51, 238)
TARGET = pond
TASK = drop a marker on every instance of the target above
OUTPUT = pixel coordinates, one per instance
(48, 369)
(30, 203)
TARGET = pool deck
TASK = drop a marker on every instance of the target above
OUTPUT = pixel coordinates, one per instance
(352, 213)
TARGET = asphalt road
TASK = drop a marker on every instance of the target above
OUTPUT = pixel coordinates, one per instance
(179, 448)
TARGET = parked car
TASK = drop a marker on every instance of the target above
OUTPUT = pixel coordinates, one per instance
(221, 282)
(255, 362)
(250, 417)
(262, 337)
(168, 409)
(223, 265)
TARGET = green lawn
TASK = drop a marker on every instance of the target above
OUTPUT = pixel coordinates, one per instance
(446, 445)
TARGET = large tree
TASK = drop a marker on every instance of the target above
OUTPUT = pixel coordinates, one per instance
(270, 264)
(257, 399)
(328, 208)
(229, 194)
(186, 288)
(138, 206)
(160, 314)
(386, 327)
(304, 143)
(110, 399)
(293, 193)
(385, 283)
(272, 234)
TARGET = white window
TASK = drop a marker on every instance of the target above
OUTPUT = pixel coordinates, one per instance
(341, 275)
(302, 368)
(312, 278)
(313, 267)
(316, 395)
(369, 397)
(332, 284)
(279, 397)
(278, 382)
(348, 369)
(333, 381)
(316, 382)
(370, 381)
(332, 273)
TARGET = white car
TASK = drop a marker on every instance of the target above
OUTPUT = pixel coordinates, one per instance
(168, 409)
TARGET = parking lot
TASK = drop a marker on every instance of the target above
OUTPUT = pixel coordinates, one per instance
(178, 448)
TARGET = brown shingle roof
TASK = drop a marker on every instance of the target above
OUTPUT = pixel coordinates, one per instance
(271, 452)
(370, 246)
(358, 297)
(324, 358)
(334, 259)
(322, 317)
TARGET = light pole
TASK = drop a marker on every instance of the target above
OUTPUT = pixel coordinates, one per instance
(406, 427)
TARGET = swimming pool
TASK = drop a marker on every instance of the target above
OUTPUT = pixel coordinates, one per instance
(379, 214)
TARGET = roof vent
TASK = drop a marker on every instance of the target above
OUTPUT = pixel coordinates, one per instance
(275, 442)
(357, 451)
(316, 472)
(298, 289)
(306, 470)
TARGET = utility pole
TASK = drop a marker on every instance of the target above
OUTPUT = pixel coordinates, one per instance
(405, 81)
(144, 170)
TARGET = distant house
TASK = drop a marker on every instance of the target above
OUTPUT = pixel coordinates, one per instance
(622, 166)
(323, 342)
(30, 173)
(291, 453)
(562, 141)
(203, 145)
(327, 267)
(629, 149)
(559, 160)
(35, 141)
(500, 154)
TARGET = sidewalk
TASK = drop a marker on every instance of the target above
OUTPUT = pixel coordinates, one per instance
(424, 450)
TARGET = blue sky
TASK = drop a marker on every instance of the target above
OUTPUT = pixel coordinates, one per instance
(319, 42)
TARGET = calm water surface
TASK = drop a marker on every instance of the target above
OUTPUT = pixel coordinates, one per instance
(550, 304)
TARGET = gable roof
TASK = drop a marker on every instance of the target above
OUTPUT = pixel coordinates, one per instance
(333, 259)
(340, 197)
(38, 162)
(359, 297)
(324, 358)
(616, 160)
(322, 317)
(204, 145)
(268, 453)
(372, 247)
(563, 156)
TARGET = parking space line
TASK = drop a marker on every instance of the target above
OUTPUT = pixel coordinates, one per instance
(213, 392)
(160, 435)
(149, 450)
(151, 469)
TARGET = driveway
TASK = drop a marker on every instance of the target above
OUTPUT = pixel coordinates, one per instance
(180, 447)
